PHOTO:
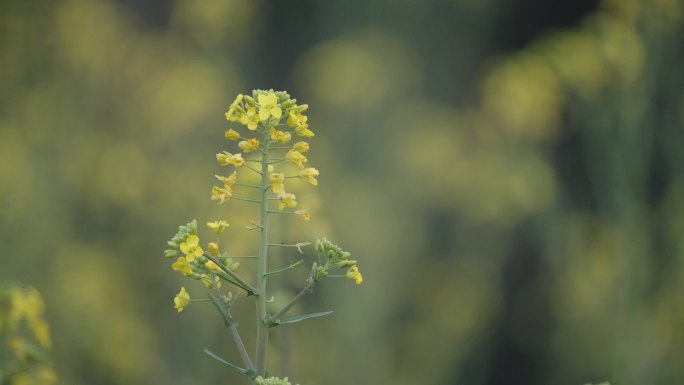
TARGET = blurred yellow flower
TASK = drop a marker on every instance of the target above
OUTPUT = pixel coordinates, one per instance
(181, 265)
(296, 157)
(303, 131)
(268, 106)
(296, 120)
(220, 194)
(286, 199)
(301, 147)
(309, 174)
(354, 275)
(230, 115)
(228, 181)
(249, 145)
(181, 300)
(304, 214)
(280, 136)
(277, 180)
(218, 226)
(232, 135)
(250, 119)
(191, 247)
(225, 158)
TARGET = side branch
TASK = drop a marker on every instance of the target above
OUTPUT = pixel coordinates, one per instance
(294, 300)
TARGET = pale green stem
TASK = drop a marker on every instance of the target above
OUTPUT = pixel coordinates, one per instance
(294, 300)
(262, 328)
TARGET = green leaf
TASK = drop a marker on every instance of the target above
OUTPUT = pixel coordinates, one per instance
(245, 372)
(291, 320)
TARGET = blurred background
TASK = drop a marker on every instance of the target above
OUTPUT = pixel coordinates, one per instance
(508, 173)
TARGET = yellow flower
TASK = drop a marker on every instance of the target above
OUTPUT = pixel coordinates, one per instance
(304, 214)
(296, 157)
(191, 247)
(309, 175)
(303, 131)
(280, 136)
(181, 300)
(181, 265)
(218, 226)
(286, 199)
(268, 106)
(277, 180)
(295, 120)
(250, 119)
(232, 135)
(230, 115)
(354, 275)
(213, 249)
(220, 194)
(301, 147)
(211, 266)
(228, 181)
(225, 158)
(249, 145)
(207, 281)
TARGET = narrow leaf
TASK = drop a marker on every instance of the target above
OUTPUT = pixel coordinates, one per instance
(291, 320)
(245, 372)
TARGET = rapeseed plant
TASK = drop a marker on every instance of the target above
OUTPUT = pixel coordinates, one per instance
(277, 118)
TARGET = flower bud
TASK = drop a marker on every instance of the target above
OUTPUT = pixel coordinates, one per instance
(301, 108)
(250, 101)
(288, 103)
(170, 253)
(232, 135)
(213, 248)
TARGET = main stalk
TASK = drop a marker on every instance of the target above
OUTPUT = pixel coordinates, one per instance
(262, 327)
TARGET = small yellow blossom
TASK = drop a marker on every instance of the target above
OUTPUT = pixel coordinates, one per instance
(286, 199)
(225, 158)
(268, 106)
(230, 115)
(228, 181)
(295, 120)
(232, 135)
(249, 145)
(303, 131)
(220, 194)
(309, 174)
(218, 226)
(207, 280)
(181, 300)
(250, 119)
(296, 157)
(301, 147)
(211, 266)
(304, 214)
(280, 136)
(213, 249)
(354, 275)
(277, 180)
(181, 265)
(191, 247)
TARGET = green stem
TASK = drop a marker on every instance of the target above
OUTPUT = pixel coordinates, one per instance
(262, 327)
(294, 300)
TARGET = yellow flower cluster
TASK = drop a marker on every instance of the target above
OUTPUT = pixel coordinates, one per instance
(194, 262)
(267, 112)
